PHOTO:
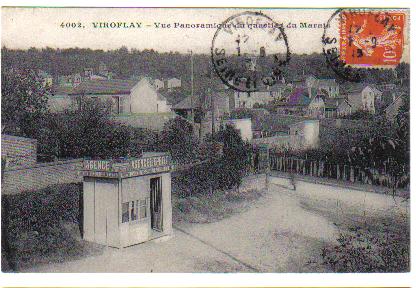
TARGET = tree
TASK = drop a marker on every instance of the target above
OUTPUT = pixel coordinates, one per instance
(90, 132)
(235, 158)
(388, 147)
(24, 101)
(178, 138)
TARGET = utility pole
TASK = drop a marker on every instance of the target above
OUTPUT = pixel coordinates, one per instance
(192, 87)
(212, 111)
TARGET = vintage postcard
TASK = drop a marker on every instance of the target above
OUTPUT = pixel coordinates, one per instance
(205, 140)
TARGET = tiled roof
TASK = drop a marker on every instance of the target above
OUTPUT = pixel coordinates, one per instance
(114, 86)
(297, 98)
(358, 87)
(274, 122)
(186, 103)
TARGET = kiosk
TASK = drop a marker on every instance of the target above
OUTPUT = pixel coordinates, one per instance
(127, 202)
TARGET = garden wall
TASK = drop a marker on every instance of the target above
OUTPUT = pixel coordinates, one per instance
(39, 176)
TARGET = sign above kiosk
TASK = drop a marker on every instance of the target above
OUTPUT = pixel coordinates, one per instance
(128, 167)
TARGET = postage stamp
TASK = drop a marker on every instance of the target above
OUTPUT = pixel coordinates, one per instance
(371, 39)
(355, 40)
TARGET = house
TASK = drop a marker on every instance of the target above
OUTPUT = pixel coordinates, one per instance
(47, 80)
(77, 79)
(295, 104)
(173, 83)
(308, 130)
(159, 84)
(187, 107)
(322, 106)
(344, 108)
(203, 105)
(88, 72)
(97, 77)
(264, 96)
(317, 86)
(126, 96)
(221, 102)
(389, 94)
(243, 126)
(362, 97)
(295, 133)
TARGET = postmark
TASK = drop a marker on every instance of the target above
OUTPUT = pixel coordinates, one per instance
(362, 39)
(249, 51)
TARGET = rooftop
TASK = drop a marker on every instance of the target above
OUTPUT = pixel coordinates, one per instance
(298, 98)
(188, 104)
(114, 86)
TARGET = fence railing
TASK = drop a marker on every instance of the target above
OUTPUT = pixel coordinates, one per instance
(329, 170)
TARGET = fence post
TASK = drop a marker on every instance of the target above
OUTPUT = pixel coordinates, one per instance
(338, 172)
(310, 171)
(319, 168)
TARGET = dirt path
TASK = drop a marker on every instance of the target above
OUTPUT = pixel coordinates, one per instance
(276, 234)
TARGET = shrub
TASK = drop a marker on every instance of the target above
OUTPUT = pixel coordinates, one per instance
(368, 250)
(33, 224)
(178, 138)
(90, 132)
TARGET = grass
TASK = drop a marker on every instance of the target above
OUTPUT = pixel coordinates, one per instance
(377, 245)
(42, 227)
(212, 207)
(366, 243)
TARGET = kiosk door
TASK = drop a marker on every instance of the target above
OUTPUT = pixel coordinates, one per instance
(156, 203)
(106, 215)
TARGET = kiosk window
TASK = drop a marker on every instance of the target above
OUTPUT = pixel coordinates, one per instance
(143, 209)
(125, 212)
(133, 211)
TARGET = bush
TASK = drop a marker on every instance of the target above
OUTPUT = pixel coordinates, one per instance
(35, 225)
(223, 171)
(368, 250)
(178, 138)
(90, 132)
(199, 179)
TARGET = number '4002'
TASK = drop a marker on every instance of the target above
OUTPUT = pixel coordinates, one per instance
(71, 25)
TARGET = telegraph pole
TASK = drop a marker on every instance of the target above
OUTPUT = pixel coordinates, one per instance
(212, 111)
(192, 87)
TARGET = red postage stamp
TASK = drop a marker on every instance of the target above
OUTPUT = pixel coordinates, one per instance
(370, 39)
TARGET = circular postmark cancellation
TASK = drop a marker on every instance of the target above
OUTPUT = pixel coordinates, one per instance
(363, 39)
(249, 51)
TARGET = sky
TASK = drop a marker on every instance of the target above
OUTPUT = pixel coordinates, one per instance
(41, 27)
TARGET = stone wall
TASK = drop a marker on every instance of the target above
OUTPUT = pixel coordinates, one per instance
(18, 151)
(41, 175)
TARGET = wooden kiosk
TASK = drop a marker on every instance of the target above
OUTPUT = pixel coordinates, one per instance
(127, 202)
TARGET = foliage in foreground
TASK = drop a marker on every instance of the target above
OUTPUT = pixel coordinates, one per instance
(43, 226)
(377, 249)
